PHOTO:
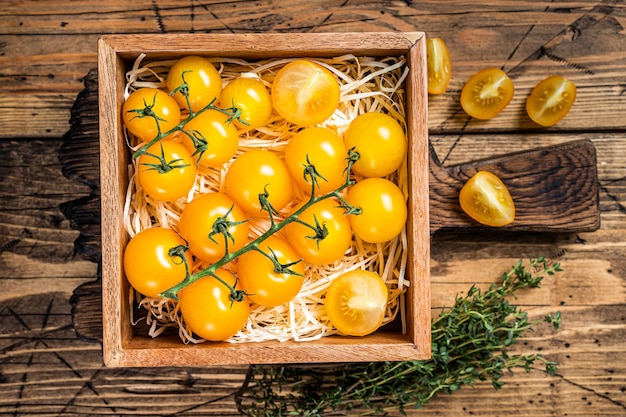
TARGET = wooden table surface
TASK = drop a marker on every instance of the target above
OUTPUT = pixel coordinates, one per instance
(48, 47)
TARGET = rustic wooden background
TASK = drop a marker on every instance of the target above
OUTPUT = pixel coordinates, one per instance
(47, 49)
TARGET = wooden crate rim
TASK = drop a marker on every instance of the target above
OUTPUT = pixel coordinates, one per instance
(324, 44)
(120, 348)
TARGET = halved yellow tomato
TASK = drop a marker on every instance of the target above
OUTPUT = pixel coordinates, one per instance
(439, 67)
(551, 100)
(487, 200)
(487, 93)
(356, 302)
(305, 93)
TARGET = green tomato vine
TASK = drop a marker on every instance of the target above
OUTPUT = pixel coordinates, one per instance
(220, 228)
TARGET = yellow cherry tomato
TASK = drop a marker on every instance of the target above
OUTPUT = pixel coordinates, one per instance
(251, 97)
(149, 266)
(383, 206)
(257, 172)
(551, 100)
(260, 279)
(203, 80)
(197, 222)
(331, 217)
(356, 302)
(439, 66)
(166, 171)
(325, 150)
(380, 142)
(209, 310)
(487, 93)
(148, 112)
(305, 93)
(211, 138)
(487, 200)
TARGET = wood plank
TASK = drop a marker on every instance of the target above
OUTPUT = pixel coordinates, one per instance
(31, 190)
(581, 40)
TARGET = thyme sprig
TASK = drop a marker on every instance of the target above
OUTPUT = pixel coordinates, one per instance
(470, 342)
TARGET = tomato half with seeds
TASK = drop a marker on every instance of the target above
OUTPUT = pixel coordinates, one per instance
(328, 246)
(551, 100)
(205, 215)
(264, 283)
(148, 112)
(323, 149)
(305, 93)
(149, 265)
(487, 93)
(251, 97)
(210, 311)
(356, 302)
(257, 172)
(380, 142)
(438, 64)
(383, 207)
(166, 171)
(486, 199)
(211, 138)
(204, 82)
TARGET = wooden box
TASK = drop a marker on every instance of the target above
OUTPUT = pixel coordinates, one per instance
(122, 347)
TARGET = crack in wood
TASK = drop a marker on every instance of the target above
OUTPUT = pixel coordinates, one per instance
(157, 16)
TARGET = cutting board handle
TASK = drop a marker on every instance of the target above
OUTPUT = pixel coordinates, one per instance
(555, 189)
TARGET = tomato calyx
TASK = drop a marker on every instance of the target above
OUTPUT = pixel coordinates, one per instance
(148, 111)
(178, 252)
(200, 144)
(320, 230)
(222, 226)
(183, 88)
(279, 268)
(164, 166)
(266, 205)
(312, 175)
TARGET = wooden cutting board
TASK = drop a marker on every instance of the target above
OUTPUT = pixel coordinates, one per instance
(555, 189)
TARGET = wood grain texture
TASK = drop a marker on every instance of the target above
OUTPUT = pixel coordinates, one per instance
(47, 48)
(528, 39)
(554, 189)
